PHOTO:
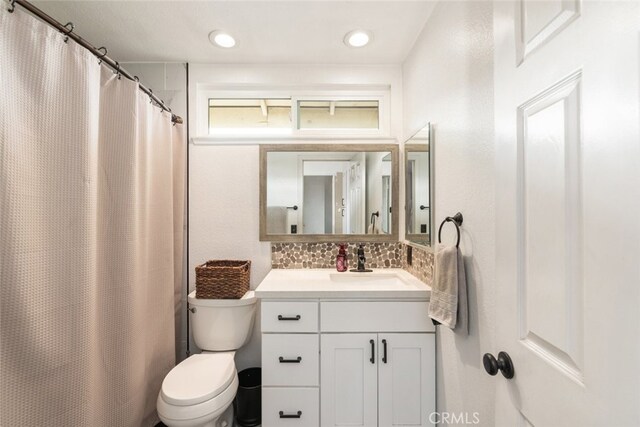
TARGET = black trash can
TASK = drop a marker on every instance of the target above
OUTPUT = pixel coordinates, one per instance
(248, 403)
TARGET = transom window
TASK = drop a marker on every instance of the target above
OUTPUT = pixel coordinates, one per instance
(297, 115)
(239, 115)
(338, 115)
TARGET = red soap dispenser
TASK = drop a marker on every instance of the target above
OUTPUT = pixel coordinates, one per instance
(341, 259)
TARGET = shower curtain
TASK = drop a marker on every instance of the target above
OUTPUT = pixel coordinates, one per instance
(91, 225)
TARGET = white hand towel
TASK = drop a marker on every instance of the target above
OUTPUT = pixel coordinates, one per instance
(448, 304)
(373, 226)
(277, 219)
(373, 229)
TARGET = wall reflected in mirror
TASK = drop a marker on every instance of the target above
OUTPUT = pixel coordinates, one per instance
(418, 180)
(329, 192)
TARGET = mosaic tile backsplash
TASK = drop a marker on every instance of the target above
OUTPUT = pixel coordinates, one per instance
(421, 265)
(379, 255)
(323, 255)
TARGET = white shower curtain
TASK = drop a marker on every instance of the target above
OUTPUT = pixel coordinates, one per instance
(91, 213)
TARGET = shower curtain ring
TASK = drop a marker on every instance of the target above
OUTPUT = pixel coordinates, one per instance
(104, 49)
(136, 78)
(12, 6)
(150, 96)
(69, 26)
(118, 70)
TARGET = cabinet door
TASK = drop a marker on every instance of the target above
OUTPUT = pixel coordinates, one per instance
(349, 380)
(406, 379)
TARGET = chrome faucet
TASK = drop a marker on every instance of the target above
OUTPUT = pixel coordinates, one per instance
(361, 260)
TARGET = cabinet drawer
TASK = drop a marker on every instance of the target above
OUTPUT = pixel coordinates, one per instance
(287, 316)
(301, 404)
(290, 359)
(375, 316)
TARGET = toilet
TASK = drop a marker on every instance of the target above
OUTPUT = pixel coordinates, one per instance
(199, 391)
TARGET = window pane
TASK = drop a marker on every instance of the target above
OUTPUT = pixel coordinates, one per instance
(338, 115)
(243, 115)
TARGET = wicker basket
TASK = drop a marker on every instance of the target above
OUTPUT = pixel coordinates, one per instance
(222, 279)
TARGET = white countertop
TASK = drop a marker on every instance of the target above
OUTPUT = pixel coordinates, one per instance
(387, 283)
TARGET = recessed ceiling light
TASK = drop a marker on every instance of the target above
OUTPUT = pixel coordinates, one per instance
(357, 38)
(222, 39)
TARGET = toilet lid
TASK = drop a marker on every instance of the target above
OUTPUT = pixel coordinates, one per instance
(198, 378)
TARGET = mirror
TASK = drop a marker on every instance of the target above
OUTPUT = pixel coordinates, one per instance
(318, 192)
(419, 185)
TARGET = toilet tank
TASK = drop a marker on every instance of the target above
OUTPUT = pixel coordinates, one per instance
(221, 324)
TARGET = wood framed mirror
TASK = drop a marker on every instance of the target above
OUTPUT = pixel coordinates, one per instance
(329, 192)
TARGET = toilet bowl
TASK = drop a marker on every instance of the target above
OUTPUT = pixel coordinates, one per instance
(199, 391)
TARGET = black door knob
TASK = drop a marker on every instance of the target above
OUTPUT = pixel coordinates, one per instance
(504, 364)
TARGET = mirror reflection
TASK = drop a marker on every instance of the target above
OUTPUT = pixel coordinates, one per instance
(418, 187)
(328, 192)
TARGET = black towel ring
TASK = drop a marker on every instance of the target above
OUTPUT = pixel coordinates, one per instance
(457, 221)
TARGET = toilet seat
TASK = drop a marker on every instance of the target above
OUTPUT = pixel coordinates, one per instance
(198, 378)
(198, 389)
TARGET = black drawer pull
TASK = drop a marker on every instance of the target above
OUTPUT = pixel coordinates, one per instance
(373, 355)
(384, 351)
(296, 415)
(281, 317)
(296, 360)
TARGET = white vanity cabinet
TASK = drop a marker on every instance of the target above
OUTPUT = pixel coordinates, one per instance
(347, 362)
(346, 349)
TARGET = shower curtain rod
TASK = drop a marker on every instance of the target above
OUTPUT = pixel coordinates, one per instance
(100, 53)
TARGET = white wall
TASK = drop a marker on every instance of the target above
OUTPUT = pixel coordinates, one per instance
(224, 177)
(167, 80)
(224, 217)
(448, 80)
(283, 175)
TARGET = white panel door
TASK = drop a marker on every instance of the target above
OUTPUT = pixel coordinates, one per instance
(349, 380)
(406, 379)
(568, 212)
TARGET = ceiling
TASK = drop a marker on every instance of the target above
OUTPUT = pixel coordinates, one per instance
(278, 32)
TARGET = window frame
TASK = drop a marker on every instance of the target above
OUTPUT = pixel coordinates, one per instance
(380, 94)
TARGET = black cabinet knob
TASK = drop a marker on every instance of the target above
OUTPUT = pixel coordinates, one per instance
(503, 363)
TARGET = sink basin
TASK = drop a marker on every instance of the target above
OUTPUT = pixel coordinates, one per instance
(369, 279)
